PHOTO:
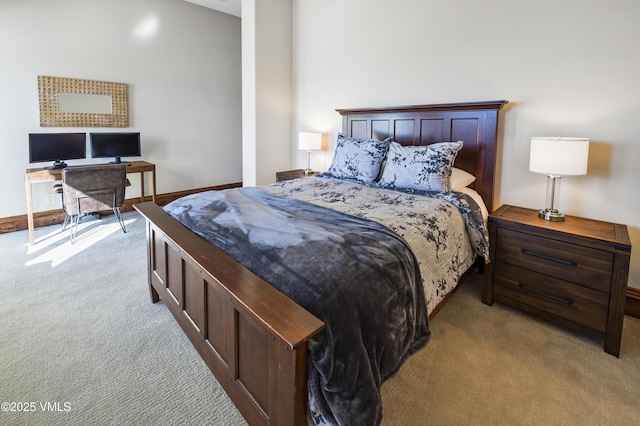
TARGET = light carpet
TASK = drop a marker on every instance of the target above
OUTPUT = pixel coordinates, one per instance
(80, 339)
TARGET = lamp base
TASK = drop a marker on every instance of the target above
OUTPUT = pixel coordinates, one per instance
(551, 215)
(308, 170)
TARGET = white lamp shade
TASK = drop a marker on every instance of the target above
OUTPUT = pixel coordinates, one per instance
(559, 156)
(308, 141)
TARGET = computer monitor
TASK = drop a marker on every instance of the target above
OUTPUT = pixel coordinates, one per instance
(116, 145)
(57, 147)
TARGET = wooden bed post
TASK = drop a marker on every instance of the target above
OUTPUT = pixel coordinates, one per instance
(155, 297)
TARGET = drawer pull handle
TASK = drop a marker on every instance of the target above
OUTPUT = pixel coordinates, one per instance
(553, 259)
(566, 301)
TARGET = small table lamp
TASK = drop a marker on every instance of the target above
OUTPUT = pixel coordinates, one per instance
(556, 157)
(308, 141)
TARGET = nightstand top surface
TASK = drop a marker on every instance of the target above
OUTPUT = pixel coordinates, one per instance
(292, 174)
(295, 172)
(588, 228)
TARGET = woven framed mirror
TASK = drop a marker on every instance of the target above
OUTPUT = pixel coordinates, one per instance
(72, 102)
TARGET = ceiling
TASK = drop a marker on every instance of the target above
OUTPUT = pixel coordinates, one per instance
(232, 7)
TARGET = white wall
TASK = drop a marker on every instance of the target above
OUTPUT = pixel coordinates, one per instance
(184, 82)
(567, 67)
(266, 89)
(249, 99)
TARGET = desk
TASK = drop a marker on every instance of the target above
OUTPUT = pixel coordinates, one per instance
(49, 175)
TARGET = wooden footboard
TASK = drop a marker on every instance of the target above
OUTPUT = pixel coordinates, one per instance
(252, 337)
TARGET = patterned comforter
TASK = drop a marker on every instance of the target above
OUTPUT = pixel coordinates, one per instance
(446, 231)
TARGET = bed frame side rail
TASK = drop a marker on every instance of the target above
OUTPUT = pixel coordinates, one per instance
(252, 337)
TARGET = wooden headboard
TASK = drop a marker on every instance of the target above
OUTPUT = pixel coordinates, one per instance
(474, 123)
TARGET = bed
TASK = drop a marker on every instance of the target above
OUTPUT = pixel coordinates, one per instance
(254, 338)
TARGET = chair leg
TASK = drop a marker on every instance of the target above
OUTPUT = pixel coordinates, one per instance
(74, 227)
(66, 221)
(57, 188)
(118, 213)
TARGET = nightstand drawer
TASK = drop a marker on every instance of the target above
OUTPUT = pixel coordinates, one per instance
(559, 298)
(569, 262)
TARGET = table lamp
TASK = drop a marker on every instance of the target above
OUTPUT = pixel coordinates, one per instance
(308, 141)
(557, 157)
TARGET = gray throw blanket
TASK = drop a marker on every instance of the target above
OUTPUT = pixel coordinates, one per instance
(354, 274)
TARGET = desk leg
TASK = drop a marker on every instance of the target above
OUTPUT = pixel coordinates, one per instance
(153, 178)
(30, 212)
(142, 187)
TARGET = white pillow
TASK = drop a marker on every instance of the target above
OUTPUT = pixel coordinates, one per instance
(460, 179)
(478, 199)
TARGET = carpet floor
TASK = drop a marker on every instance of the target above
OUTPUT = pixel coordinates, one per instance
(80, 345)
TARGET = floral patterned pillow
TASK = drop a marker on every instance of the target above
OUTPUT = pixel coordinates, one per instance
(426, 168)
(358, 159)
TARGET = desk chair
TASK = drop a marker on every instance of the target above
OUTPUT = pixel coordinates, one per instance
(57, 188)
(92, 189)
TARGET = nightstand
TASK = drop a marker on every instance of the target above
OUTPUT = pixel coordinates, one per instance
(573, 273)
(291, 174)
